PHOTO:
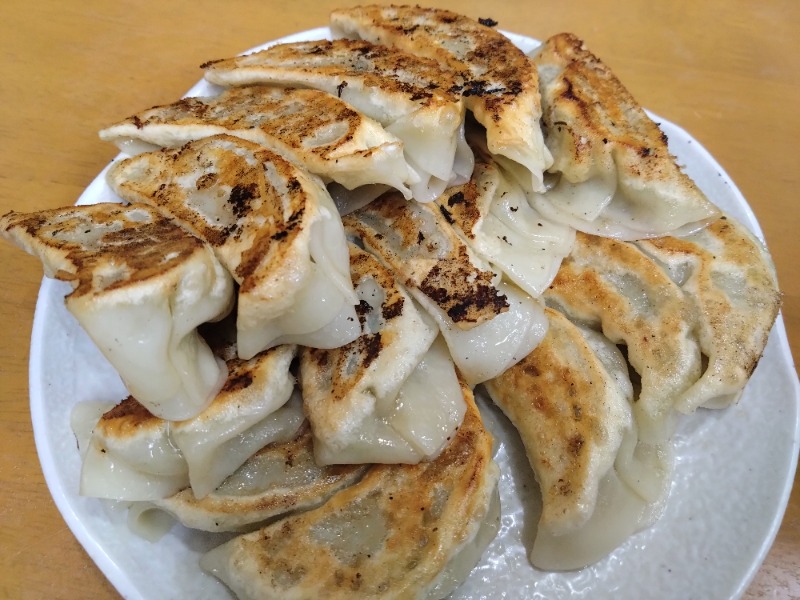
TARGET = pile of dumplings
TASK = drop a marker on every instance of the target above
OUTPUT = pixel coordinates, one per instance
(310, 274)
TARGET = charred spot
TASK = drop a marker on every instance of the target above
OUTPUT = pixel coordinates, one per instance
(644, 152)
(664, 137)
(576, 443)
(205, 181)
(238, 381)
(129, 408)
(486, 296)
(207, 64)
(487, 22)
(225, 233)
(420, 95)
(410, 29)
(438, 294)
(514, 87)
(446, 214)
(372, 345)
(456, 89)
(457, 198)
(240, 198)
(530, 369)
(420, 237)
(137, 122)
(363, 308)
(448, 19)
(339, 88)
(293, 184)
(291, 223)
(320, 357)
(475, 87)
(569, 93)
(395, 309)
(317, 50)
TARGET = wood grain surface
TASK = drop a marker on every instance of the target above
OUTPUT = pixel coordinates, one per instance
(727, 72)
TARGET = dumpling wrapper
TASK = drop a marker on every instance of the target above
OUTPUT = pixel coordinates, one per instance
(273, 226)
(487, 323)
(618, 178)
(142, 286)
(492, 215)
(252, 410)
(133, 455)
(391, 395)
(311, 128)
(279, 479)
(403, 531)
(614, 285)
(570, 400)
(412, 97)
(499, 83)
(730, 280)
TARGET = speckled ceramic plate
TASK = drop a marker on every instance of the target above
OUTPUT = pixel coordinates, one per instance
(732, 479)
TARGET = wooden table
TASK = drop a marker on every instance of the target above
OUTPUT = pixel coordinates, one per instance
(728, 72)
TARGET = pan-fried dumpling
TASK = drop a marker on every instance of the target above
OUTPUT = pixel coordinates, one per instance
(617, 176)
(273, 226)
(129, 456)
(643, 467)
(487, 323)
(499, 83)
(389, 396)
(308, 127)
(493, 216)
(729, 278)
(571, 415)
(412, 97)
(613, 285)
(570, 400)
(403, 531)
(133, 455)
(281, 478)
(142, 285)
(250, 411)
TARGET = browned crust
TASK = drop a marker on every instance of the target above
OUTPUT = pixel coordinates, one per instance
(236, 511)
(557, 398)
(443, 271)
(612, 283)
(428, 509)
(733, 329)
(418, 79)
(237, 175)
(466, 205)
(592, 120)
(492, 71)
(336, 372)
(136, 242)
(293, 116)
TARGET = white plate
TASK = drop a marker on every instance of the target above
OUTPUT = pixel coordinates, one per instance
(733, 474)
